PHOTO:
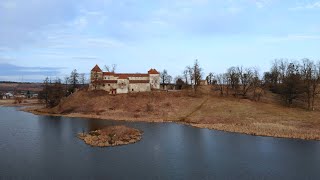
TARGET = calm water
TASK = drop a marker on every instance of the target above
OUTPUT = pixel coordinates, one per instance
(42, 147)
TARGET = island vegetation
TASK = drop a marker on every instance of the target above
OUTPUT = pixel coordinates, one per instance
(111, 136)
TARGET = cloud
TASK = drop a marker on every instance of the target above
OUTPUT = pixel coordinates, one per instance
(261, 3)
(314, 5)
(290, 38)
(14, 70)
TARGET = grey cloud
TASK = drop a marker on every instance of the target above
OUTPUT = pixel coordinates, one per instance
(14, 70)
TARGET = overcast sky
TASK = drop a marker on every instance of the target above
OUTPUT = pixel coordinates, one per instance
(41, 38)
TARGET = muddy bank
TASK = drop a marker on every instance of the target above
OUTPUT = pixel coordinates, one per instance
(111, 136)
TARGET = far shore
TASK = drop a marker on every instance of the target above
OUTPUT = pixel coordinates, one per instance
(210, 112)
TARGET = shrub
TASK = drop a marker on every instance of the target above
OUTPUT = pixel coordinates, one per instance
(18, 100)
(149, 107)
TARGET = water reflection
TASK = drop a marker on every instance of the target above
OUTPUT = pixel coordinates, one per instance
(44, 146)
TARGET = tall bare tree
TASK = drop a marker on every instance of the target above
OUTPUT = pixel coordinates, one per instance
(311, 79)
(189, 69)
(220, 82)
(210, 78)
(74, 80)
(246, 76)
(165, 78)
(233, 80)
(111, 68)
(197, 74)
(82, 78)
(186, 76)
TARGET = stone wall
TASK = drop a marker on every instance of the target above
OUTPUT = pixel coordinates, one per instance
(123, 85)
(155, 81)
(139, 87)
(138, 78)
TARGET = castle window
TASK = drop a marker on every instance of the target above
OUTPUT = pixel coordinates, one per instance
(108, 84)
(103, 85)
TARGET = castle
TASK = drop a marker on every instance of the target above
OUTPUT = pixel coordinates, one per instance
(121, 83)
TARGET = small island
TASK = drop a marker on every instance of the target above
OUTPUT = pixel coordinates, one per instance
(111, 136)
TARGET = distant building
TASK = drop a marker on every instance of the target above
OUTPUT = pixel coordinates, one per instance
(7, 96)
(121, 83)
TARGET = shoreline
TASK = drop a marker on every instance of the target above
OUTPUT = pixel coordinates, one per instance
(252, 131)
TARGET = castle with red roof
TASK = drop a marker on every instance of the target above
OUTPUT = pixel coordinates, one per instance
(121, 83)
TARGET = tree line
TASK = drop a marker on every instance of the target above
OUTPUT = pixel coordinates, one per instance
(192, 76)
(54, 90)
(296, 82)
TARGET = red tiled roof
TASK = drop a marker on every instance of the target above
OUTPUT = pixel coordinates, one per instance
(131, 75)
(125, 75)
(96, 69)
(139, 81)
(108, 73)
(153, 71)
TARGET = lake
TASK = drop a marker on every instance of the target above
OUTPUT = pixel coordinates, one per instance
(42, 147)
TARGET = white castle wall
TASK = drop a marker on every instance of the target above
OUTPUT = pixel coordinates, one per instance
(139, 87)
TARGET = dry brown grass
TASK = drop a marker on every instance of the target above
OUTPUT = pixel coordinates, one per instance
(257, 118)
(119, 131)
(21, 102)
(155, 106)
(111, 136)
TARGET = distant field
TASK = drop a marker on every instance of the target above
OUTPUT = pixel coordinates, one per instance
(5, 87)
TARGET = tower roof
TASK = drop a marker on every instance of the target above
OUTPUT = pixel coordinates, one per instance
(96, 69)
(153, 71)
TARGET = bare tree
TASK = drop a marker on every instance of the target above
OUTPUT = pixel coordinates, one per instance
(186, 75)
(191, 75)
(292, 85)
(82, 78)
(246, 79)
(179, 82)
(310, 75)
(52, 93)
(111, 68)
(315, 83)
(66, 83)
(233, 80)
(256, 85)
(197, 74)
(165, 78)
(74, 80)
(210, 78)
(220, 82)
